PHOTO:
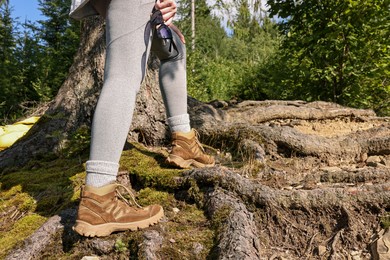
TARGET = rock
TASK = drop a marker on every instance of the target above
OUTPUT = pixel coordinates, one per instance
(176, 210)
(102, 246)
(380, 246)
(356, 255)
(90, 258)
(152, 243)
(363, 157)
(386, 161)
(373, 161)
(172, 240)
(321, 250)
(197, 248)
(330, 169)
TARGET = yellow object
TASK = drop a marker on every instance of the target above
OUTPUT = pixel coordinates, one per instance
(16, 128)
(28, 121)
(9, 134)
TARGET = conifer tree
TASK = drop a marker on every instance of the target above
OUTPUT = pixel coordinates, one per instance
(59, 36)
(8, 65)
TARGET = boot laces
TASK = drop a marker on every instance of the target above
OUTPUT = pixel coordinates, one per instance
(128, 191)
(197, 135)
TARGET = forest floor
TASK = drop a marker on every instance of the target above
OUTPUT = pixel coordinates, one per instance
(307, 188)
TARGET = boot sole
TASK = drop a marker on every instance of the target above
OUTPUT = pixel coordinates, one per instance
(102, 230)
(186, 164)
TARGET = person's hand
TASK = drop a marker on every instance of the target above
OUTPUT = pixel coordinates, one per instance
(168, 9)
(178, 32)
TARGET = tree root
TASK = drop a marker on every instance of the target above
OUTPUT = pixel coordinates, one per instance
(40, 239)
(238, 237)
(151, 244)
(262, 196)
(299, 216)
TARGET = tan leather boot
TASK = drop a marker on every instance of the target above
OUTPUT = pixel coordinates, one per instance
(104, 210)
(187, 151)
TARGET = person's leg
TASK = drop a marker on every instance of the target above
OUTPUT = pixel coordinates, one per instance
(125, 25)
(102, 210)
(173, 81)
(186, 149)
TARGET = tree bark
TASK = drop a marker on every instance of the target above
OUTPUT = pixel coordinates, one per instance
(75, 102)
(292, 177)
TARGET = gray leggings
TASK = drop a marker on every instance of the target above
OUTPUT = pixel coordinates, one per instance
(128, 41)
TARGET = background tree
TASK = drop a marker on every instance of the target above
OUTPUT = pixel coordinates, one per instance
(59, 37)
(10, 95)
(226, 50)
(203, 60)
(253, 43)
(35, 61)
(334, 51)
(292, 167)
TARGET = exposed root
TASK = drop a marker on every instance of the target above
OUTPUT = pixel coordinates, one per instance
(151, 244)
(238, 237)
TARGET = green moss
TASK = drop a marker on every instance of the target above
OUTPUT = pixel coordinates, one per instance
(187, 229)
(50, 184)
(385, 220)
(195, 193)
(46, 187)
(23, 228)
(16, 200)
(11, 192)
(78, 181)
(149, 168)
(150, 196)
(220, 217)
(120, 246)
(38, 190)
(78, 142)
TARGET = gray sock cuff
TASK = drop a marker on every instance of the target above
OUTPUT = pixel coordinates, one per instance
(179, 123)
(102, 167)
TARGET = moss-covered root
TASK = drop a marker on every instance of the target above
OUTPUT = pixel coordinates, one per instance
(148, 169)
(237, 232)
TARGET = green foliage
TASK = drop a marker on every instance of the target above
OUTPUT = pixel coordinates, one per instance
(8, 64)
(385, 221)
(120, 246)
(60, 37)
(221, 63)
(34, 62)
(20, 230)
(333, 50)
(78, 143)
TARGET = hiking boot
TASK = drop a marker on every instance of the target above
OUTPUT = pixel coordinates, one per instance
(187, 151)
(105, 210)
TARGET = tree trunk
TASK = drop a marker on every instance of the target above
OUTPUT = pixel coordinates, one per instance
(294, 180)
(75, 102)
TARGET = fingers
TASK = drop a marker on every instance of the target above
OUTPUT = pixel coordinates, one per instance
(178, 32)
(165, 4)
(169, 21)
(168, 9)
